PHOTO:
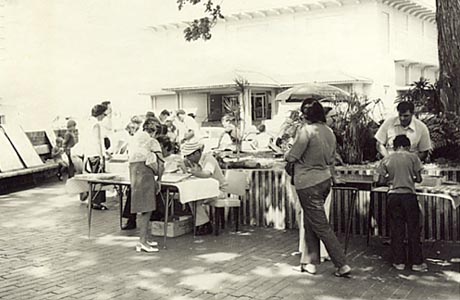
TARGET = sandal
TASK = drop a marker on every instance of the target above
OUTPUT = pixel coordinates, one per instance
(343, 271)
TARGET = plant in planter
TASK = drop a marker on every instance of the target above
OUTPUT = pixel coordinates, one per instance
(354, 129)
(444, 126)
(235, 109)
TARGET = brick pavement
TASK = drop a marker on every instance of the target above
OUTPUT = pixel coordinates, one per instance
(45, 254)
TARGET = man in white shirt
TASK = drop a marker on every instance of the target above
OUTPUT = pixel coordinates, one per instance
(405, 124)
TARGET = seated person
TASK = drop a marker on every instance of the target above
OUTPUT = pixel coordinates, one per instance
(262, 140)
(56, 154)
(229, 138)
(202, 165)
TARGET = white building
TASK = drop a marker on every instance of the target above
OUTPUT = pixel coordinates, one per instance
(370, 47)
(60, 57)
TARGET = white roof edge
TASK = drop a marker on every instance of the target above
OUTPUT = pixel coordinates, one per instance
(416, 8)
(217, 86)
(419, 9)
(157, 93)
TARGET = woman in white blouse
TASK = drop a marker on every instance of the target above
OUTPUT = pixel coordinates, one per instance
(145, 180)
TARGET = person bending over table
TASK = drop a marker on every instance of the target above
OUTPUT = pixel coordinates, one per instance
(145, 179)
(202, 165)
(406, 124)
(401, 169)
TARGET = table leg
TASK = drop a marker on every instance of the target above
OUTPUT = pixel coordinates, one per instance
(90, 210)
(120, 195)
(370, 214)
(166, 218)
(350, 219)
(194, 218)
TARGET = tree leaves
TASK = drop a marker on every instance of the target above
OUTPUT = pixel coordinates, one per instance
(201, 28)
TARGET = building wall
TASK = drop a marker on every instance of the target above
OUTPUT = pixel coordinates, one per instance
(196, 102)
(411, 45)
(63, 56)
(190, 102)
(362, 39)
(161, 102)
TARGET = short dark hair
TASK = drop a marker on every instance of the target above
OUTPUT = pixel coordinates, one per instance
(401, 141)
(165, 142)
(98, 110)
(313, 111)
(404, 106)
(165, 112)
(261, 128)
(163, 129)
(150, 114)
(151, 125)
(305, 102)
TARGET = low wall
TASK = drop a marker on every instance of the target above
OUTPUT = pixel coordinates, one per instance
(272, 201)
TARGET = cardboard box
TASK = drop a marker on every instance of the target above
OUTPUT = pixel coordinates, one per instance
(175, 228)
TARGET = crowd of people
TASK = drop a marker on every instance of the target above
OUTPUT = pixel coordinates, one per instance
(152, 144)
(172, 142)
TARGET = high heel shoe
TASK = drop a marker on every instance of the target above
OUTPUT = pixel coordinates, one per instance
(152, 243)
(149, 249)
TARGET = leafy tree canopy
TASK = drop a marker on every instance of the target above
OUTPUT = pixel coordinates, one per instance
(201, 28)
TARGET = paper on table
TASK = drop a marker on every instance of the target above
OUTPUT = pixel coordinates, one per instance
(174, 177)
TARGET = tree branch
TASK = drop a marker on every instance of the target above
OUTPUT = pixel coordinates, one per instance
(201, 28)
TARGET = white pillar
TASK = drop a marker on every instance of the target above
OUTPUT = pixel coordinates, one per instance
(247, 108)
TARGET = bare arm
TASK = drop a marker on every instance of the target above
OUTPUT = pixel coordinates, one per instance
(418, 177)
(422, 155)
(220, 139)
(382, 149)
(99, 139)
(200, 173)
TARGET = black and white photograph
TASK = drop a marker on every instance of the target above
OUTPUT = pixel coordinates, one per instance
(229, 149)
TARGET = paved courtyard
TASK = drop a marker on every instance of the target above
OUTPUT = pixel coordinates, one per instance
(45, 254)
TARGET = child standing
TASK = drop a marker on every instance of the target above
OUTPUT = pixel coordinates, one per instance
(56, 154)
(401, 170)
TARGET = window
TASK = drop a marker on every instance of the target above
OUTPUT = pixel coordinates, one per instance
(261, 107)
(218, 105)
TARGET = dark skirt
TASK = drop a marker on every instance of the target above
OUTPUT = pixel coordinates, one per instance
(143, 194)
